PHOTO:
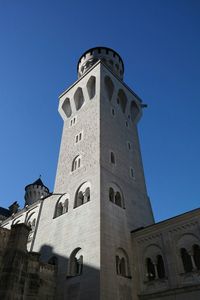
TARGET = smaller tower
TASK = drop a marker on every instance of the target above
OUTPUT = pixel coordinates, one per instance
(35, 191)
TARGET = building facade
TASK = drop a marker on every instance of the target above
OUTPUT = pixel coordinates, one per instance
(97, 226)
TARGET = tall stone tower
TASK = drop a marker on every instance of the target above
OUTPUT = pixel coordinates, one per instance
(100, 193)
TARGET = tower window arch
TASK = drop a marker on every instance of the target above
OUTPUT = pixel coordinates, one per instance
(122, 263)
(78, 98)
(66, 107)
(76, 163)
(109, 87)
(61, 206)
(75, 264)
(122, 100)
(82, 195)
(91, 87)
(115, 195)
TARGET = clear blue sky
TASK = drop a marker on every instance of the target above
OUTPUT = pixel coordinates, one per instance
(159, 41)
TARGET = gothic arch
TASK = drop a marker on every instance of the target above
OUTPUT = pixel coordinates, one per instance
(187, 240)
(66, 107)
(109, 87)
(122, 263)
(61, 206)
(76, 163)
(75, 263)
(79, 98)
(115, 195)
(31, 221)
(91, 87)
(82, 195)
(188, 252)
(122, 100)
(154, 262)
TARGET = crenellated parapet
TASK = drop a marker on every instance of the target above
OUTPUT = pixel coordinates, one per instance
(108, 56)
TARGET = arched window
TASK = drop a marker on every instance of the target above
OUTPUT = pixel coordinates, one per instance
(109, 86)
(186, 260)
(66, 107)
(115, 195)
(111, 194)
(78, 98)
(122, 100)
(91, 87)
(61, 206)
(31, 221)
(151, 274)
(122, 267)
(87, 195)
(75, 265)
(122, 263)
(32, 224)
(118, 199)
(80, 198)
(196, 255)
(112, 158)
(76, 163)
(82, 194)
(160, 267)
(59, 209)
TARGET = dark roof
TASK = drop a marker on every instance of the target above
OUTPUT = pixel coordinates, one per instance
(37, 182)
(5, 212)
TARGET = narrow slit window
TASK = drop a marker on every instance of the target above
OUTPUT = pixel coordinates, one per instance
(112, 158)
(132, 173)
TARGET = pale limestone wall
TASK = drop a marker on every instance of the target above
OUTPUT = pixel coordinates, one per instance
(80, 226)
(167, 238)
(117, 222)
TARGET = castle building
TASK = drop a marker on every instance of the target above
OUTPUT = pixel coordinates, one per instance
(97, 226)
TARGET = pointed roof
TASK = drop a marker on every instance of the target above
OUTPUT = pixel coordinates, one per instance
(37, 182)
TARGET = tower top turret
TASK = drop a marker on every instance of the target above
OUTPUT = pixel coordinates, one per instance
(35, 191)
(108, 56)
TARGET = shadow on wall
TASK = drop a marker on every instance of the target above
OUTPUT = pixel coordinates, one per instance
(75, 280)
